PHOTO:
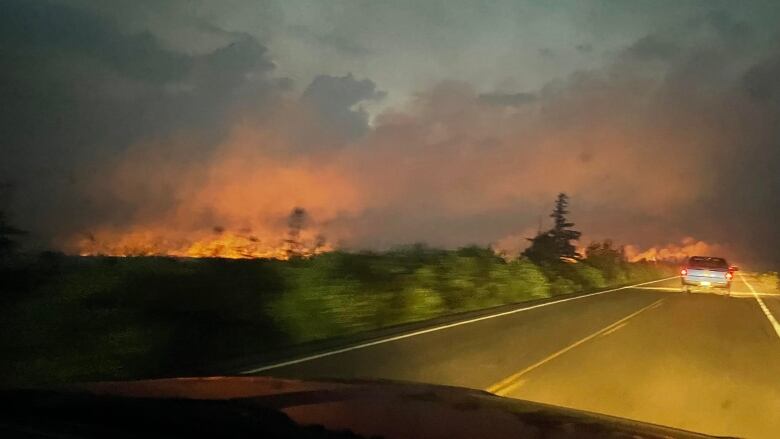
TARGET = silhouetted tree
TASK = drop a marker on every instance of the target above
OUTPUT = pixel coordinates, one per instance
(604, 250)
(554, 244)
(606, 257)
(562, 231)
(542, 249)
(8, 233)
(296, 221)
(319, 243)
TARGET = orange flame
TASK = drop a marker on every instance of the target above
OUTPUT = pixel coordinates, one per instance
(674, 252)
(224, 245)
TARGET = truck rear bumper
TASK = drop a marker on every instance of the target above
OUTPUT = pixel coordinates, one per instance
(705, 282)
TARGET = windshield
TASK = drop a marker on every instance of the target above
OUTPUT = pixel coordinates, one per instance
(504, 196)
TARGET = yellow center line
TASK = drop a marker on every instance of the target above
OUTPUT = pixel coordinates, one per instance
(511, 382)
(615, 328)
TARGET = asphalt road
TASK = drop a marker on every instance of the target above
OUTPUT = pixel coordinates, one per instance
(702, 361)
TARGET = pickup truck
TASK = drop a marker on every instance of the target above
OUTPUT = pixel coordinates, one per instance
(707, 272)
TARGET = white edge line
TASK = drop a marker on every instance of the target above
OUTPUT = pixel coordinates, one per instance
(763, 306)
(436, 328)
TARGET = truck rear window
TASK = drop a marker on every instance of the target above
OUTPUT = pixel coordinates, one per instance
(704, 262)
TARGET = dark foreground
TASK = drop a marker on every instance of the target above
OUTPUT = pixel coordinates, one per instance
(267, 407)
(701, 362)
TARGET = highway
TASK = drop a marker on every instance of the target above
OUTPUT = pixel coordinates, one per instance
(702, 362)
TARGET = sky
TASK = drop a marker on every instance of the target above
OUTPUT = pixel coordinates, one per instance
(192, 127)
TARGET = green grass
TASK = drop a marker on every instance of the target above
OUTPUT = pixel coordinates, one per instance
(70, 319)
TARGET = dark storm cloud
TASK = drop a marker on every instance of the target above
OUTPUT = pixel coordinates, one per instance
(67, 73)
(76, 92)
(335, 97)
(54, 28)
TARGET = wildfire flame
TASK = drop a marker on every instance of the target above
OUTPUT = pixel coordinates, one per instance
(674, 252)
(226, 244)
